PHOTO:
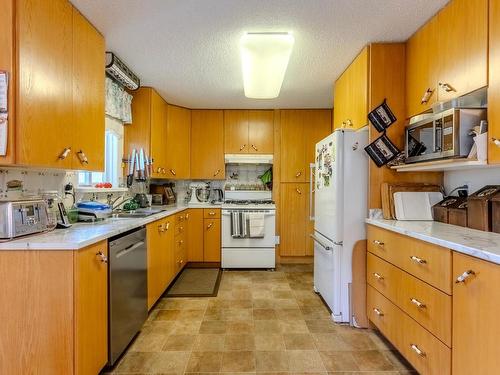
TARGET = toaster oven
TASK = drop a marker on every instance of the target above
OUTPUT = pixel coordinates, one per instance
(19, 218)
(442, 135)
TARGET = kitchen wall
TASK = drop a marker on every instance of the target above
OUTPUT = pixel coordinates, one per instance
(475, 178)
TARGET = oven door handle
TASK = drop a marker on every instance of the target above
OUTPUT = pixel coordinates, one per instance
(265, 213)
(316, 239)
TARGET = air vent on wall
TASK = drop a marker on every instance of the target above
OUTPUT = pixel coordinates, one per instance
(120, 72)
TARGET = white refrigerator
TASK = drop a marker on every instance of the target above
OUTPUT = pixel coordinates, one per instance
(340, 191)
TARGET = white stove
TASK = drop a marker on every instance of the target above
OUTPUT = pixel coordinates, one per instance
(248, 229)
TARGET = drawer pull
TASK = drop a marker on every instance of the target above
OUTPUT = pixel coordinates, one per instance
(417, 350)
(378, 276)
(417, 303)
(464, 276)
(378, 312)
(418, 260)
(298, 174)
(104, 258)
(211, 213)
(378, 243)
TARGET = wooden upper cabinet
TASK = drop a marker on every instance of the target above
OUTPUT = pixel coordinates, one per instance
(88, 95)
(463, 48)
(91, 308)
(178, 142)
(158, 116)
(44, 123)
(494, 83)
(236, 131)
(207, 145)
(476, 308)
(422, 69)
(260, 132)
(351, 93)
(293, 158)
(137, 135)
(317, 125)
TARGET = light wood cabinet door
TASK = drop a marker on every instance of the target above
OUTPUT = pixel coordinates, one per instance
(476, 309)
(340, 101)
(158, 126)
(44, 125)
(212, 240)
(494, 83)
(159, 265)
(236, 131)
(293, 158)
(88, 95)
(178, 142)
(137, 135)
(260, 132)
(91, 308)
(317, 125)
(195, 235)
(463, 48)
(422, 69)
(293, 231)
(357, 81)
(207, 145)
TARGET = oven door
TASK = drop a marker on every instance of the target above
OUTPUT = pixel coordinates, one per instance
(423, 140)
(228, 241)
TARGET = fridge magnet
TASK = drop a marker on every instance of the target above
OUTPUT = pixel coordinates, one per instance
(382, 117)
(382, 150)
(325, 158)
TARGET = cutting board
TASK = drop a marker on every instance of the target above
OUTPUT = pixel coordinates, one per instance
(388, 190)
(415, 205)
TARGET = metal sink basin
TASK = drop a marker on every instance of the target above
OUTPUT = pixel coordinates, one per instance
(145, 212)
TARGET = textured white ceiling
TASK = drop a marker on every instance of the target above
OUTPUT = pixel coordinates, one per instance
(188, 49)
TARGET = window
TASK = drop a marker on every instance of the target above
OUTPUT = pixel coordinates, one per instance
(113, 151)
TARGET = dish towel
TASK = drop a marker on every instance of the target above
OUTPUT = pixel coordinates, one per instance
(256, 224)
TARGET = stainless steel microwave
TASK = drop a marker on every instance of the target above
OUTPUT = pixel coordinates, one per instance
(442, 135)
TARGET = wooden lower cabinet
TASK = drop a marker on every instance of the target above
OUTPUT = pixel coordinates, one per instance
(476, 309)
(195, 235)
(212, 240)
(55, 321)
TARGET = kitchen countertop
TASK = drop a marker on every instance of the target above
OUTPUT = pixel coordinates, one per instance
(81, 235)
(479, 244)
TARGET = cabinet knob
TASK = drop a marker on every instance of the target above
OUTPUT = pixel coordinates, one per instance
(210, 225)
(298, 174)
(378, 312)
(216, 172)
(446, 87)
(161, 228)
(349, 123)
(378, 276)
(163, 171)
(158, 170)
(173, 172)
(464, 276)
(378, 243)
(427, 95)
(418, 260)
(64, 154)
(242, 147)
(187, 216)
(82, 157)
(211, 213)
(181, 242)
(298, 191)
(255, 148)
(167, 225)
(417, 350)
(496, 141)
(104, 258)
(417, 303)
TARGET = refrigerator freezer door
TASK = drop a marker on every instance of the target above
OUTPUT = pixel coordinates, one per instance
(328, 187)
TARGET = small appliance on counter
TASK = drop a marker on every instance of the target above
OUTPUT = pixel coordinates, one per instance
(162, 194)
(441, 211)
(479, 215)
(216, 196)
(20, 218)
(200, 193)
(93, 211)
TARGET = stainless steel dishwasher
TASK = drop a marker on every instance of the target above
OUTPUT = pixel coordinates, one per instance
(128, 306)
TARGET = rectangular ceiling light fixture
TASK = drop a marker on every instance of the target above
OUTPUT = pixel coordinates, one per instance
(265, 57)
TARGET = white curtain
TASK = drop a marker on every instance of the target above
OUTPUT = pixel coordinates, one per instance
(118, 102)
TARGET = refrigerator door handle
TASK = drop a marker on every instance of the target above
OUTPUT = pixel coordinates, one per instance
(312, 167)
(316, 239)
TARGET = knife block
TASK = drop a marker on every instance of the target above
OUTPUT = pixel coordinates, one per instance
(441, 211)
(495, 213)
(480, 208)
(457, 214)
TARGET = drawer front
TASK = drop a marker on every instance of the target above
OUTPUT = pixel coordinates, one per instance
(427, 305)
(423, 260)
(209, 213)
(425, 352)
(180, 217)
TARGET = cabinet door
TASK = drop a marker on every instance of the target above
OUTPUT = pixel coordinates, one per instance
(137, 135)
(178, 142)
(476, 308)
(195, 235)
(158, 115)
(293, 202)
(341, 93)
(88, 95)
(317, 125)
(357, 80)
(91, 308)
(293, 158)
(211, 240)
(207, 145)
(422, 68)
(260, 132)
(494, 83)
(463, 48)
(157, 260)
(44, 125)
(168, 268)
(236, 132)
